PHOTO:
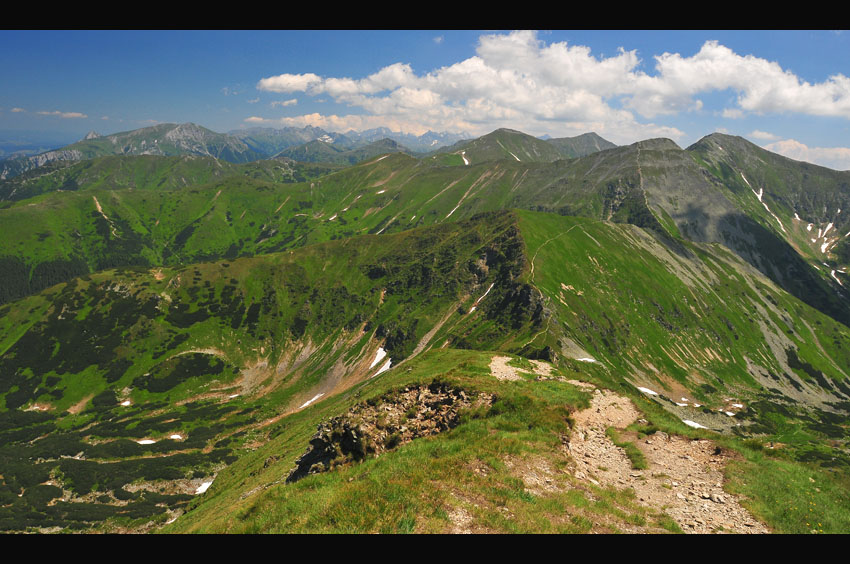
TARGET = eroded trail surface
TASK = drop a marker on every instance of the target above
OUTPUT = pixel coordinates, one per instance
(684, 478)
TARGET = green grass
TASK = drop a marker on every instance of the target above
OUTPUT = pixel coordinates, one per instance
(636, 457)
(794, 498)
(476, 469)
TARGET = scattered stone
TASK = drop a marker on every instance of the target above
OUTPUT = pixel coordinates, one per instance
(680, 476)
(370, 428)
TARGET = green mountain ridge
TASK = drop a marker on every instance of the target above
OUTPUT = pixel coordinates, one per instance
(177, 332)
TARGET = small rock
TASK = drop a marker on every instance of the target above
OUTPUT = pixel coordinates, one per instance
(716, 498)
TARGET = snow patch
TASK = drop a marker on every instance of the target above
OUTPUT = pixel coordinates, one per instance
(648, 391)
(176, 437)
(125, 403)
(809, 227)
(588, 359)
(487, 292)
(738, 405)
(456, 207)
(385, 367)
(836, 277)
(463, 156)
(693, 424)
(311, 400)
(233, 396)
(378, 357)
(797, 217)
(380, 191)
(333, 217)
(204, 487)
(729, 413)
(146, 442)
(759, 195)
(681, 404)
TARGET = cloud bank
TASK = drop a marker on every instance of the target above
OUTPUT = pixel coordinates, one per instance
(836, 158)
(517, 80)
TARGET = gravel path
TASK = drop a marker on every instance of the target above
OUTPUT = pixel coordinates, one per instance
(684, 478)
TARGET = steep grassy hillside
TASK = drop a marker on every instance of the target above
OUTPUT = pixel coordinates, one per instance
(500, 144)
(702, 324)
(652, 184)
(148, 172)
(126, 391)
(142, 375)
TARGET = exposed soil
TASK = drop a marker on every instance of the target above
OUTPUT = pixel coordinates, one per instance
(502, 371)
(684, 477)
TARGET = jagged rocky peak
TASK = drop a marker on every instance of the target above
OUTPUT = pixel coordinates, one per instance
(186, 131)
(91, 135)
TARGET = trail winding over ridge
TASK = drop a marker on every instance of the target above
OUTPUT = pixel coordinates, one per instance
(684, 477)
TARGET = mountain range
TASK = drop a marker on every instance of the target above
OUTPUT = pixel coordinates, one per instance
(311, 330)
(236, 146)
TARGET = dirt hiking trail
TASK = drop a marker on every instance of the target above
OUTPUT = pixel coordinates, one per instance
(684, 477)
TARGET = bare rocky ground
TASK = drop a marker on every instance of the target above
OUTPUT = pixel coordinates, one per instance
(684, 477)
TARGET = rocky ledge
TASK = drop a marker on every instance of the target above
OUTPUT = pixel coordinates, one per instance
(385, 423)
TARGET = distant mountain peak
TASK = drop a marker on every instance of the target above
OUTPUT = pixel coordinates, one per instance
(91, 135)
(658, 143)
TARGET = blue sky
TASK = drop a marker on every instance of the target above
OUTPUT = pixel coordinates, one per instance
(788, 91)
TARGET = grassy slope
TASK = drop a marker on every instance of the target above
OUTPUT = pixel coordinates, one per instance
(211, 350)
(423, 486)
(705, 320)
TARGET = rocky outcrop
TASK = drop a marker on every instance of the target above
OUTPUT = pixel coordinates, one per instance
(14, 167)
(383, 424)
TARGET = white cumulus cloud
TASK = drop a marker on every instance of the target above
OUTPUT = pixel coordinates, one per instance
(763, 135)
(761, 86)
(836, 158)
(517, 80)
(64, 115)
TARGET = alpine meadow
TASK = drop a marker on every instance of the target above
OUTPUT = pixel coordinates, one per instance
(296, 327)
